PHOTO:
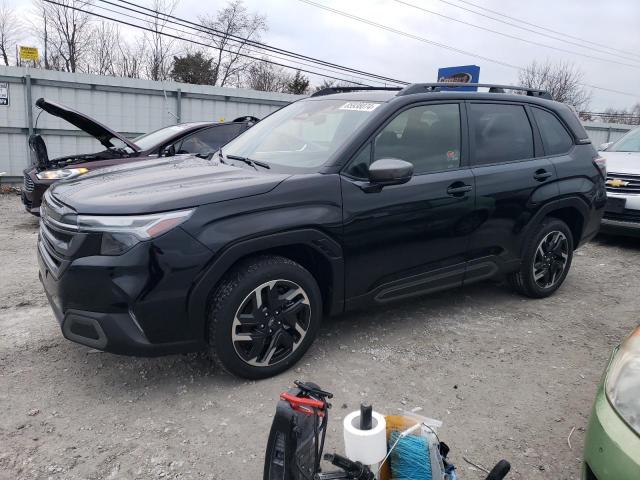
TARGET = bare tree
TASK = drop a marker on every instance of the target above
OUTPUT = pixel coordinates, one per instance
(66, 31)
(562, 80)
(9, 31)
(231, 29)
(105, 42)
(131, 59)
(159, 47)
(267, 77)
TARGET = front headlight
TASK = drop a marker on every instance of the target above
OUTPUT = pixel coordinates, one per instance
(121, 232)
(61, 174)
(623, 380)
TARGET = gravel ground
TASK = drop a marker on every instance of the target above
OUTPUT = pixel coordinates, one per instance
(510, 377)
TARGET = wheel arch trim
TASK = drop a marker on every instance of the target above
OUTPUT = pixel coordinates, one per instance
(319, 241)
(548, 208)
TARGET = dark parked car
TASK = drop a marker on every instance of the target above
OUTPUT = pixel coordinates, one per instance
(335, 202)
(201, 138)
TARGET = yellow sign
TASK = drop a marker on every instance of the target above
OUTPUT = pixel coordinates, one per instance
(29, 53)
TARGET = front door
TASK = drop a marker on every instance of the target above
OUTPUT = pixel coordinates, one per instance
(412, 238)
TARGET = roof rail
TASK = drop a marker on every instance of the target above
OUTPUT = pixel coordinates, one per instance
(436, 87)
(332, 90)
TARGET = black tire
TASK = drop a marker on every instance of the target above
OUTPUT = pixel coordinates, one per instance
(262, 284)
(525, 280)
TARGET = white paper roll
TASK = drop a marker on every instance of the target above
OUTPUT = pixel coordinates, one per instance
(366, 446)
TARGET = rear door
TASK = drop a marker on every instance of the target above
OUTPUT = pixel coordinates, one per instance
(511, 177)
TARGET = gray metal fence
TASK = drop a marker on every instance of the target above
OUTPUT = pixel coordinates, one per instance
(130, 106)
(600, 133)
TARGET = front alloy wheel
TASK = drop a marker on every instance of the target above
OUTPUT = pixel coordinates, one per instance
(271, 323)
(263, 316)
(550, 259)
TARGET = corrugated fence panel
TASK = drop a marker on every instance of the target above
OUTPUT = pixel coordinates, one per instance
(600, 133)
(129, 106)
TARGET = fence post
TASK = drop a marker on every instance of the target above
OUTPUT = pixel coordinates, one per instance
(608, 135)
(179, 105)
(27, 83)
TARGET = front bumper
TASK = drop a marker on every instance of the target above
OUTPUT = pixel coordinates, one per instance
(625, 222)
(131, 304)
(612, 449)
(620, 227)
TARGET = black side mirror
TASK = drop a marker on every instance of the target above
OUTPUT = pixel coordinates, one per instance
(169, 151)
(390, 171)
(205, 155)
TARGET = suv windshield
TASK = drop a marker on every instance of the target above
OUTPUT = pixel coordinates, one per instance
(302, 135)
(629, 143)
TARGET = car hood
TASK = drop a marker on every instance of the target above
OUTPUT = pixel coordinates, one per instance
(85, 123)
(158, 185)
(622, 162)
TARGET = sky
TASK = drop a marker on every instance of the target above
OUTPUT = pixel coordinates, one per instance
(306, 29)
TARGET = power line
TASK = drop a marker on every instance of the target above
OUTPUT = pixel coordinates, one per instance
(214, 32)
(408, 35)
(200, 43)
(563, 34)
(515, 37)
(296, 62)
(441, 45)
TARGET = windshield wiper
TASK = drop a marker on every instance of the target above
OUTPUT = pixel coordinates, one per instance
(248, 161)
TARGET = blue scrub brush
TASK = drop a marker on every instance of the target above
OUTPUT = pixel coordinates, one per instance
(409, 455)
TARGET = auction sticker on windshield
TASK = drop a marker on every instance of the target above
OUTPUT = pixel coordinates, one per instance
(360, 106)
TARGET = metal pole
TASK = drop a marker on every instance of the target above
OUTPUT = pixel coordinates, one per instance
(179, 106)
(27, 83)
(608, 134)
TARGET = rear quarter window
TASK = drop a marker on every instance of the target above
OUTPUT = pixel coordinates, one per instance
(555, 138)
(501, 133)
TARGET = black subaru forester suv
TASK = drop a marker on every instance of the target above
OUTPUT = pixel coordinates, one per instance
(342, 200)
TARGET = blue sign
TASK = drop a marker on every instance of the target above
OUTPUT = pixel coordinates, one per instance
(462, 74)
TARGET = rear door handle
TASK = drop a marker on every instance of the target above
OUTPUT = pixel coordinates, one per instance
(541, 175)
(458, 189)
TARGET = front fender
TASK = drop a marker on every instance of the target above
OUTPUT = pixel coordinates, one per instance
(302, 210)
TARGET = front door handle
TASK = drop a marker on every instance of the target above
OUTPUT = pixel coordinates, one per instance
(458, 189)
(541, 175)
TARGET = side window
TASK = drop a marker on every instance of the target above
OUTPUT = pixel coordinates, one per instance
(555, 138)
(209, 140)
(502, 133)
(427, 136)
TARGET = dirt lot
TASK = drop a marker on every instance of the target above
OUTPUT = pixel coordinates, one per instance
(509, 377)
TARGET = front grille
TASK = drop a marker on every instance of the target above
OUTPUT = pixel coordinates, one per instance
(59, 240)
(627, 182)
(625, 216)
(28, 183)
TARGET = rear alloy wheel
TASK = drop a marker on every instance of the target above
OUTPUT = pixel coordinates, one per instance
(264, 315)
(546, 260)
(271, 323)
(550, 259)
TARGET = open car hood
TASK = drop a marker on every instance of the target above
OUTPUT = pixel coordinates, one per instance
(85, 123)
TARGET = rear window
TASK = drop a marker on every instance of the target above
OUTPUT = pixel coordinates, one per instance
(502, 133)
(555, 138)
